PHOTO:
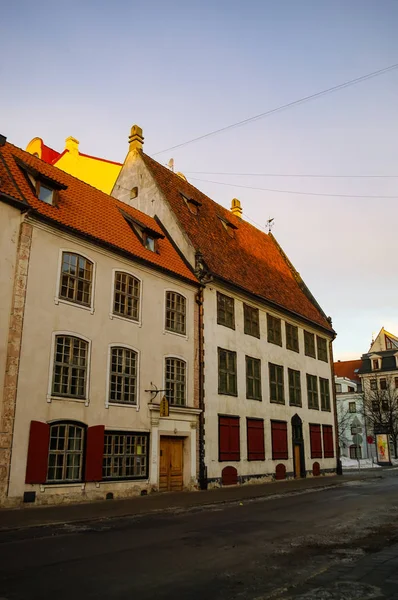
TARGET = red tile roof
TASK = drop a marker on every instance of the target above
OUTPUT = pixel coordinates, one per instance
(86, 210)
(245, 256)
(346, 368)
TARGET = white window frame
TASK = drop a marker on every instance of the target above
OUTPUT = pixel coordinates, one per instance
(112, 315)
(50, 395)
(109, 404)
(185, 335)
(57, 299)
(187, 404)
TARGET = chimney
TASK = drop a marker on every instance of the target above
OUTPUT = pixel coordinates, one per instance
(236, 208)
(3, 140)
(136, 139)
(72, 144)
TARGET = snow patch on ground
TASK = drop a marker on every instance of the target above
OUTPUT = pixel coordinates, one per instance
(364, 463)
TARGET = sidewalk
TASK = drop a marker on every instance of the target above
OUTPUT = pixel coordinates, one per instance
(29, 516)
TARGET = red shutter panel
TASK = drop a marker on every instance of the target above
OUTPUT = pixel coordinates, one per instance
(39, 440)
(94, 453)
(229, 438)
(255, 439)
(316, 441)
(234, 437)
(328, 448)
(279, 440)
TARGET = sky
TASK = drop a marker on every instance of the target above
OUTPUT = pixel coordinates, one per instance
(91, 69)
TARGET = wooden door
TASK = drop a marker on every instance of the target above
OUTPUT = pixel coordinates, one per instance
(297, 460)
(171, 464)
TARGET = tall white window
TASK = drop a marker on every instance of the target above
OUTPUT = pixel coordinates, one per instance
(126, 299)
(123, 376)
(175, 381)
(70, 367)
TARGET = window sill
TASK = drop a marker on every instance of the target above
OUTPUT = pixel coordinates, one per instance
(90, 309)
(120, 318)
(313, 407)
(227, 394)
(281, 402)
(85, 401)
(293, 350)
(227, 326)
(295, 405)
(310, 355)
(184, 336)
(255, 399)
(275, 343)
(122, 404)
(329, 410)
(252, 335)
(57, 484)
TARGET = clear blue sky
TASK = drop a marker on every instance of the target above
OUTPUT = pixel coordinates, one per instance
(180, 69)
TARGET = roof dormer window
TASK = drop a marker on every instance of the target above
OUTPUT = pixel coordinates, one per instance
(147, 236)
(193, 205)
(46, 188)
(45, 193)
(149, 243)
(375, 364)
(228, 226)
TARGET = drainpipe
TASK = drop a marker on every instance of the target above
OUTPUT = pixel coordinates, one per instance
(339, 468)
(202, 466)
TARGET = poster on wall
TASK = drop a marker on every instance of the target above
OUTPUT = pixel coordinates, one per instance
(383, 449)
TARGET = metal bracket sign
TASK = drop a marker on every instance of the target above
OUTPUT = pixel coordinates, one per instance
(164, 407)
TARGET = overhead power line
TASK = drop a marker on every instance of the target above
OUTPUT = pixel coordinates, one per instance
(249, 187)
(312, 176)
(267, 113)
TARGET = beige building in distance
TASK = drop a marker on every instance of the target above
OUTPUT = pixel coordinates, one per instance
(98, 311)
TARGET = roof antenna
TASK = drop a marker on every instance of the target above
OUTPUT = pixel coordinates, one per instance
(269, 224)
(170, 164)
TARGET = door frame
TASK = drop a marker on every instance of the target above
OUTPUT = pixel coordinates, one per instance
(298, 440)
(182, 441)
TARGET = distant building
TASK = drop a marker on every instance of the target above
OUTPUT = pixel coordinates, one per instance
(353, 440)
(98, 172)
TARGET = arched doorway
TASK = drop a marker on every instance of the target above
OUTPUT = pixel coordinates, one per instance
(298, 447)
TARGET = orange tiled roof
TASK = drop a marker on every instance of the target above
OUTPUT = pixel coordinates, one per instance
(87, 210)
(346, 368)
(247, 257)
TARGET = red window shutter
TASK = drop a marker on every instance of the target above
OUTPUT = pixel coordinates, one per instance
(255, 439)
(316, 441)
(279, 440)
(328, 448)
(39, 440)
(94, 452)
(229, 438)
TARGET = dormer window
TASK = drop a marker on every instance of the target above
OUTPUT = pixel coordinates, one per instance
(228, 226)
(193, 205)
(147, 236)
(45, 194)
(375, 364)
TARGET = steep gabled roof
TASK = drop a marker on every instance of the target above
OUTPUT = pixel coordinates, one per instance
(234, 250)
(85, 210)
(348, 368)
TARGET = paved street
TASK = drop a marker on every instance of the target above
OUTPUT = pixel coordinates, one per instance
(338, 543)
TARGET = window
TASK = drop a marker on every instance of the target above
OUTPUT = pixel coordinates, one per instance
(352, 407)
(255, 439)
(279, 440)
(355, 451)
(175, 313)
(228, 438)
(375, 406)
(126, 302)
(325, 394)
(383, 384)
(76, 278)
(175, 381)
(292, 342)
(227, 379)
(373, 384)
(338, 388)
(125, 455)
(276, 387)
(375, 364)
(70, 367)
(193, 205)
(123, 376)
(45, 194)
(312, 392)
(225, 311)
(315, 441)
(294, 387)
(251, 321)
(309, 344)
(396, 382)
(274, 330)
(385, 405)
(322, 348)
(351, 389)
(149, 242)
(328, 446)
(65, 457)
(253, 378)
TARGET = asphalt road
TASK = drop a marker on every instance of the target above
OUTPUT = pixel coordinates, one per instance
(256, 550)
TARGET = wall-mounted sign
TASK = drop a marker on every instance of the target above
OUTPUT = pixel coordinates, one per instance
(383, 449)
(164, 407)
